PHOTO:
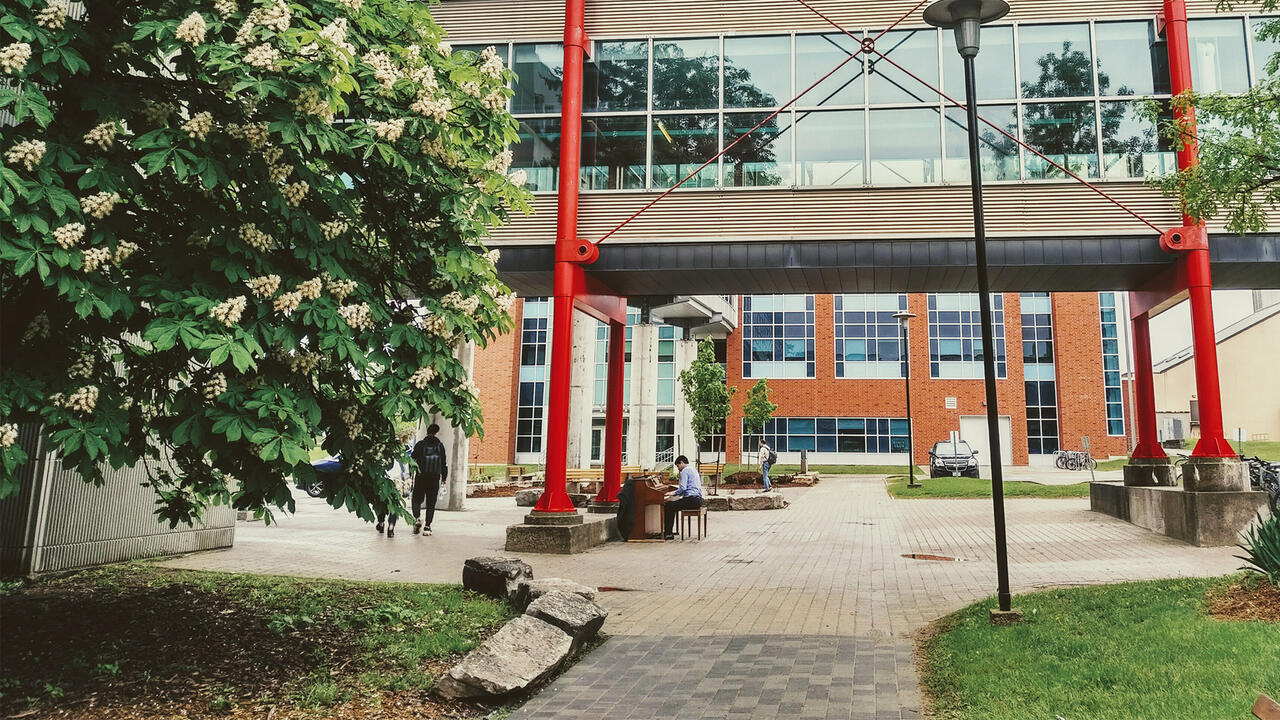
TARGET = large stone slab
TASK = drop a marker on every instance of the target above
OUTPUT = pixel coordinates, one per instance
(561, 539)
(528, 497)
(1206, 519)
(497, 577)
(758, 501)
(534, 589)
(716, 503)
(579, 617)
(522, 654)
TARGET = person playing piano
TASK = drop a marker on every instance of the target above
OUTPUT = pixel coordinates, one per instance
(688, 496)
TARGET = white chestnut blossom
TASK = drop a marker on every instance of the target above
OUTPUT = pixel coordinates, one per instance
(295, 192)
(336, 33)
(244, 35)
(103, 135)
(262, 56)
(422, 377)
(228, 311)
(100, 205)
(358, 317)
(455, 300)
(28, 152)
(435, 148)
(53, 16)
(38, 328)
(215, 386)
(471, 88)
(225, 8)
(82, 367)
(256, 135)
(436, 325)
(13, 58)
(490, 64)
(505, 301)
(192, 29)
(198, 127)
(425, 75)
(304, 363)
(518, 178)
(384, 68)
(493, 256)
(157, 113)
(275, 16)
(389, 130)
(495, 101)
(333, 228)
(353, 5)
(288, 302)
(340, 289)
(82, 400)
(123, 251)
(272, 155)
(312, 102)
(94, 258)
(278, 173)
(264, 286)
(310, 290)
(255, 238)
(500, 163)
(445, 48)
(8, 435)
(435, 108)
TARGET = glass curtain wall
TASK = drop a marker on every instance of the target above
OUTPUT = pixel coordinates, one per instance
(1039, 376)
(868, 338)
(831, 435)
(955, 335)
(1112, 388)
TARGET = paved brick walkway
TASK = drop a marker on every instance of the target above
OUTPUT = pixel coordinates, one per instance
(824, 578)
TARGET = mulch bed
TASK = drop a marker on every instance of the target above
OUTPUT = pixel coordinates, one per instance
(750, 480)
(499, 491)
(173, 651)
(1246, 600)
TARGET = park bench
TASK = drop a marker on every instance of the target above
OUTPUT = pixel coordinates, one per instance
(584, 479)
(516, 473)
(1266, 708)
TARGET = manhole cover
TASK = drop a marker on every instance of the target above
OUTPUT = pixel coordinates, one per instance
(927, 556)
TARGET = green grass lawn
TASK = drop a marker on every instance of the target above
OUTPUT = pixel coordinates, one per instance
(201, 641)
(1112, 464)
(963, 487)
(821, 469)
(1134, 651)
(1265, 449)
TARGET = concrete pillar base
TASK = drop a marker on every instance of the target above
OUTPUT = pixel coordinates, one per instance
(565, 539)
(1214, 474)
(1149, 472)
(1206, 519)
(537, 517)
(603, 508)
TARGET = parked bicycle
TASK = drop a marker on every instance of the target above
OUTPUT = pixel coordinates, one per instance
(1265, 476)
(1073, 460)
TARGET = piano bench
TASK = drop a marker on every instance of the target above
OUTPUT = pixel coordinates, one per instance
(688, 517)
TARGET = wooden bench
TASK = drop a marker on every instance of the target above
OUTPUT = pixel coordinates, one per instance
(688, 516)
(584, 479)
(1266, 708)
(516, 473)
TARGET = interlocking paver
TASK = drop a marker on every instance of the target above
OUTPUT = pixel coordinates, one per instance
(799, 613)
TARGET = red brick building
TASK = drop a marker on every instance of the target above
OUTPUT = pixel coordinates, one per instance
(835, 369)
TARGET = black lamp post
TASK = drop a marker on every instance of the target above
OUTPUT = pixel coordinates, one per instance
(903, 317)
(966, 18)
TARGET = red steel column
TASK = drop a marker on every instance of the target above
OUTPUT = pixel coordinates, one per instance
(1144, 392)
(554, 497)
(1199, 280)
(613, 415)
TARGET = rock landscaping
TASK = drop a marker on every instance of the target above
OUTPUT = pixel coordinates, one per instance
(560, 617)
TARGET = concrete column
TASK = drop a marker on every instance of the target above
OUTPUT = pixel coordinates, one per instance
(643, 424)
(686, 441)
(456, 442)
(581, 389)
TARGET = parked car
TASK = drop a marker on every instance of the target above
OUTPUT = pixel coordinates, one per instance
(953, 458)
(325, 468)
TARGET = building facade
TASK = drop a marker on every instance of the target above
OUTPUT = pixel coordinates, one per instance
(837, 371)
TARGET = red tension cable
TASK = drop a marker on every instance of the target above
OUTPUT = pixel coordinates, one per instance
(863, 45)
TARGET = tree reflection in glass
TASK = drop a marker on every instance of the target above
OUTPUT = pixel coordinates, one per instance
(686, 74)
(539, 78)
(538, 153)
(757, 71)
(616, 77)
(764, 157)
(613, 153)
(1131, 146)
(1055, 61)
(680, 144)
(998, 154)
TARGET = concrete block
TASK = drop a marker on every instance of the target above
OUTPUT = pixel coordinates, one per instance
(1200, 474)
(1149, 472)
(559, 539)
(1206, 519)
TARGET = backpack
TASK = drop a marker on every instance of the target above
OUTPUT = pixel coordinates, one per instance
(430, 457)
(773, 457)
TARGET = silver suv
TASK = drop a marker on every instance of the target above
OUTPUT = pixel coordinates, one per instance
(953, 458)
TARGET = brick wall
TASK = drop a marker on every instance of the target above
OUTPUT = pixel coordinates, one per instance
(1077, 334)
(497, 374)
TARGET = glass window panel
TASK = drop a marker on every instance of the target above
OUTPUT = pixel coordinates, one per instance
(831, 147)
(686, 74)
(538, 153)
(906, 147)
(680, 144)
(1265, 50)
(539, 69)
(1131, 147)
(764, 157)
(616, 76)
(1063, 131)
(1132, 60)
(816, 55)
(613, 153)
(1217, 55)
(827, 443)
(999, 154)
(915, 50)
(757, 71)
(801, 426)
(1055, 60)
(993, 67)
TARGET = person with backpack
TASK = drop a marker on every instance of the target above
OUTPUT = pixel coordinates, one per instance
(403, 479)
(433, 468)
(767, 458)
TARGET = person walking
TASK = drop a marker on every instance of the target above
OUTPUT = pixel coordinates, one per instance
(433, 467)
(688, 496)
(402, 477)
(766, 461)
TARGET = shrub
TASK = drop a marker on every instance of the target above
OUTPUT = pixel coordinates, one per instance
(1262, 548)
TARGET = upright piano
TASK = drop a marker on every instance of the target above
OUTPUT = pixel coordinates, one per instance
(650, 501)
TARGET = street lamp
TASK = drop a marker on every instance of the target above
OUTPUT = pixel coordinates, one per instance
(903, 317)
(966, 18)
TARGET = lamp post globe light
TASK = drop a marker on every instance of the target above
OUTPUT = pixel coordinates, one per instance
(966, 18)
(903, 317)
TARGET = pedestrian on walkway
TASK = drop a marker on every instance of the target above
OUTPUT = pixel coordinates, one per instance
(400, 475)
(688, 496)
(433, 468)
(766, 461)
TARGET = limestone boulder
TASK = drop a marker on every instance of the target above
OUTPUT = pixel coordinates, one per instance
(758, 501)
(716, 503)
(522, 654)
(528, 497)
(497, 577)
(581, 500)
(534, 589)
(805, 480)
(579, 617)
